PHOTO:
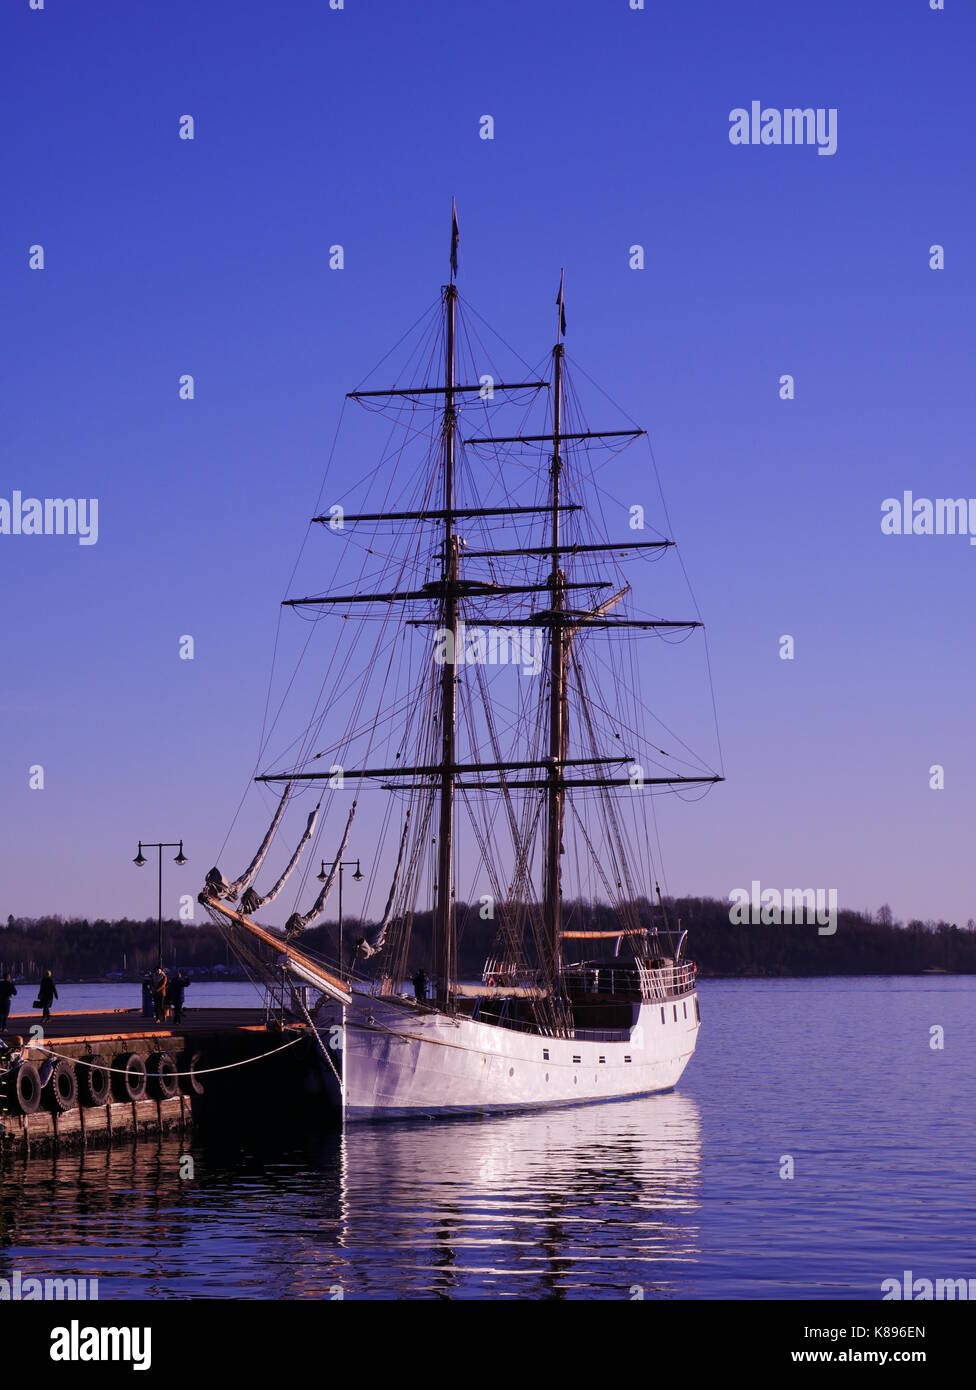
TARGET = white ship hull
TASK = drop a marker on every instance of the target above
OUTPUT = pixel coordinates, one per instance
(399, 1060)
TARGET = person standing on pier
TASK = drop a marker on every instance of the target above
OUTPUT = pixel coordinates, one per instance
(7, 990)
(178, 986)
(159, 983)
(47, 992)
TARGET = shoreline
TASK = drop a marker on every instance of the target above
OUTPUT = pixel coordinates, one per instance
(927, 973)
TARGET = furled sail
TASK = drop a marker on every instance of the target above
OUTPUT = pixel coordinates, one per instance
(366, 947)
(252, 901)
(217, 885)
(298, 921)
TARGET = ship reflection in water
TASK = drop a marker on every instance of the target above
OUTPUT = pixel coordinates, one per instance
(596, 1200)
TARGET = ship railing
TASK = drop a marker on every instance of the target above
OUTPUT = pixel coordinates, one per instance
(503, 972)
(667, 981)
(606, 979)
(657, 982)
(684, 977)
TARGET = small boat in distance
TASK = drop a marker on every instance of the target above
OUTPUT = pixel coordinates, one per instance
(487, 647)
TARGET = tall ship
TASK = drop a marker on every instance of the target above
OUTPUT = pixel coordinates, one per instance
(480, 719)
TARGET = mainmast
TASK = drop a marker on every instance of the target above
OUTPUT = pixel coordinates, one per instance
(443, 913)
(557, 711)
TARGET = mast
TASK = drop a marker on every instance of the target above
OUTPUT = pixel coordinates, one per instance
(443, 913)
(557, 713)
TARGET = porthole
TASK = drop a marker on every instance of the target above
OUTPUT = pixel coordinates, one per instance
(511, 1071)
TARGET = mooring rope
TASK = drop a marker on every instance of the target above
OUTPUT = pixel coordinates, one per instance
(322, 1046)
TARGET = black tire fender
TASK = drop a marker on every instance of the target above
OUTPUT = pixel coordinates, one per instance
(189, 1063)
(61, 1090)
(95, 1081)
(129, 1076)
(24, 1091)
(163, 1080)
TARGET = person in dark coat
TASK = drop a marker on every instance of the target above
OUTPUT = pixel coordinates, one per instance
(420, 983)
(47, 992)
(7, 990)
(159, 983)
(177, 987)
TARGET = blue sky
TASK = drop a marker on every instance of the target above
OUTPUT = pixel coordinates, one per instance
(315, 127)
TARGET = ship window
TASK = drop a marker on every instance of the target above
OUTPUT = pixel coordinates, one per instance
(603, 1059)
(685, 1007)
(697, 1010)
(545, 1055)
(511, 1071)
(662, 1015)
(628, 1059)
(577, 1059)
(675, 1007)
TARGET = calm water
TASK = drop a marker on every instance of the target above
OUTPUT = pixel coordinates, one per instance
(679, 1194)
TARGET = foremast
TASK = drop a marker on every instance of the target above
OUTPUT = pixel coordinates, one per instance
(444, 908)
(558, 731)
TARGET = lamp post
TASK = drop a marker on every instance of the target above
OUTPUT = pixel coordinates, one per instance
(178, 858)
(357, 878)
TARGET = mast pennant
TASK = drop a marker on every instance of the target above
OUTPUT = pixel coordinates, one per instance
(561, 306)
(455, 238)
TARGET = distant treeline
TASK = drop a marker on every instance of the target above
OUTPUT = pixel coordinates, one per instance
(864, 943)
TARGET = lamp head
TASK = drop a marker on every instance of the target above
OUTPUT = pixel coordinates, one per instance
(358, 875)
(140, 858)
(321, 873)
(180, 857)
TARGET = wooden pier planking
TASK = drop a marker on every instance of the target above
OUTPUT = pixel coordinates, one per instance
(83, 1026)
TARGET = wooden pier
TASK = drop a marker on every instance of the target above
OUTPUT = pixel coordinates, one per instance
(220, 1066)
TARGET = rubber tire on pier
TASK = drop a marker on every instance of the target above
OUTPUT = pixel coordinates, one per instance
(189, 1061)
(163, 1080)
(129, 1076)
(96, 1082)
(61, 1091)
(24, 1093)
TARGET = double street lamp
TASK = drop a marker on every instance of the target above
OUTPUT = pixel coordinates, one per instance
(178, 858)
(357, 878)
